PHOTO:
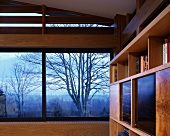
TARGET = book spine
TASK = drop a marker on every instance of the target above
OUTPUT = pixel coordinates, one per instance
(143, 63)
(165, 57)
(137, 65)
(168, 49)
(146, 63)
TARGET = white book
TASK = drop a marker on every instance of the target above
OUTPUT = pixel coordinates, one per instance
(165, 60)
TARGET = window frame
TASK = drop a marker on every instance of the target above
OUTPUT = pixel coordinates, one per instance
(54, 50)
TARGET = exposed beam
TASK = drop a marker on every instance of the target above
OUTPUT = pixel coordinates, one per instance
(57, 41)
(120, 22)
(20, 19)
(58, 30)
(139, 4)
(145, 12)
(55, 20)
(20, 9)
(78, 20)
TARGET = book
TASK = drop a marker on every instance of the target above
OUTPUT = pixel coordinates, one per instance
(126, 131)
(143, 63)
(137, 65)
(168, 49)
(165, 53)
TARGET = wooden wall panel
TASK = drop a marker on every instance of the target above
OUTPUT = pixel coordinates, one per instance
(58, 41)
(54, 129)
(163, 102)
(113, 128)
(115, 102)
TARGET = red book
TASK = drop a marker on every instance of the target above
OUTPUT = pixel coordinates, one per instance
(168, 49)
(142, 61)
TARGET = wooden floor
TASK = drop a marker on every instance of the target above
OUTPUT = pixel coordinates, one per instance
(55, 129)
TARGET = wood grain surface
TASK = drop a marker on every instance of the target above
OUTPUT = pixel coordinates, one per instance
(54, 129)
(115, 102)
(57, 41)
(163, 103)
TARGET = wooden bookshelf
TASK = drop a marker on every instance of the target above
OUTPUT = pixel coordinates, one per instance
(160, 26)
(149, 40)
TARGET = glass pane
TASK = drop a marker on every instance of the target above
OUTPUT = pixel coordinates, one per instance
(20, 86)
(77, 84)
(146, 101)
(126, 101)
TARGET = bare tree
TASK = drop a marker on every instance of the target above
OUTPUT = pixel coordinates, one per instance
(74, 25)
(23, 81)
(82, 75)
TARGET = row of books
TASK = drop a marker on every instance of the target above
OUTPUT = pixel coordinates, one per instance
(166, 50)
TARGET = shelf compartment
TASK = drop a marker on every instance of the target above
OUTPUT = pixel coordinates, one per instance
(155, 51)
(131, 133)
(113, 73)
(150, 71)
(122, 70)
(135, 130)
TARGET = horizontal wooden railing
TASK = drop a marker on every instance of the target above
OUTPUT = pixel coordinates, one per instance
(49, 15)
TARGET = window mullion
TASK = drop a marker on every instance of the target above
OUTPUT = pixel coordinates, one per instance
(43, 86)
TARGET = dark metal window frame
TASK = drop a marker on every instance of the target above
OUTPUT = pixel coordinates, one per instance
(54, 50)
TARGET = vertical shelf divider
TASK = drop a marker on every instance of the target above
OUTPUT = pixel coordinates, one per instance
(133, 102)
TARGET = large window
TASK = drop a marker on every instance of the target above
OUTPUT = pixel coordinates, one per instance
(20, 86)
(54, 84)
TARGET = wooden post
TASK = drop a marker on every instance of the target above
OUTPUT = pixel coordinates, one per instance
(120, 24)
(43, 19)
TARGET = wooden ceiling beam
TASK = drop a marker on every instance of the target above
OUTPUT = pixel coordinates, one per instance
(58, 30)
(20, 9)
(78, 20)
(57, 41)
(20, 19)
(52, 20)
(55, 15)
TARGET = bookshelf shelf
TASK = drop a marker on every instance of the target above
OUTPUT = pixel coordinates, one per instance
(148, 72)
(135, 130)
(148, 42)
